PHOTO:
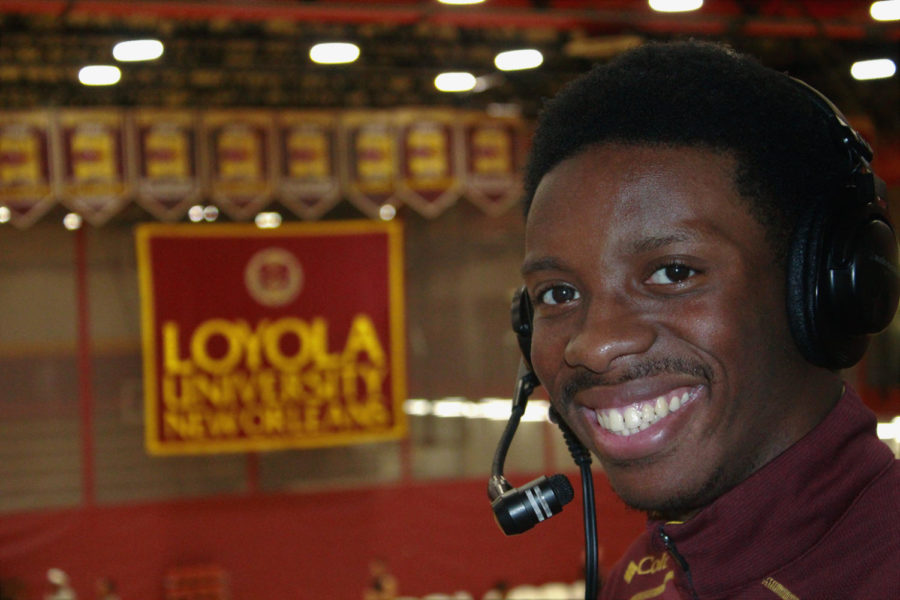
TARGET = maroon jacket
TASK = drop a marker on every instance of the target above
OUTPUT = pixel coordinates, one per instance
(819, 522)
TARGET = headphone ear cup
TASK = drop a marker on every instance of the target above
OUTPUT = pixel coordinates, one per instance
(843, 280)
(802, 270)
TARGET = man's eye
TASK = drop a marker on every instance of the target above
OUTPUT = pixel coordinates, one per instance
(558, 294)
(669, 274)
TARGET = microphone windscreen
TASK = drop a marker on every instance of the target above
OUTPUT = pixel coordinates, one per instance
(563, 488)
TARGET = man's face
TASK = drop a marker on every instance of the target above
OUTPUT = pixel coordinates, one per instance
(660, 330)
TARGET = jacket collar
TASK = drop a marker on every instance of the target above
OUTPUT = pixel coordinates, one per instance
(784, 508)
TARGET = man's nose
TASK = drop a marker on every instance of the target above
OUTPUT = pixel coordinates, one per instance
(608, 329)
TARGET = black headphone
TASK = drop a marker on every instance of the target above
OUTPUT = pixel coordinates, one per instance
(843, 278)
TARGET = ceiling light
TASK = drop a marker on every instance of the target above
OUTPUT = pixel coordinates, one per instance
(886, 10)
(72, 221)
(515, 60)
(267, 220)
(5, 214)
(494, 409)
(879, 68)
(334, 53)
(460, 2)
(675, 5)
(210, 213)
(99, 75)
(455, 82)
(890, 431)
(387, 212)
(135, 50)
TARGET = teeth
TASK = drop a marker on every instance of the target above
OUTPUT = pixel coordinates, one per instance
(639, 416)
(662, 407)
(614, 420)
(632, 416)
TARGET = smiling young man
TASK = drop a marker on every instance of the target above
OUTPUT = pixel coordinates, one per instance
(661, 196)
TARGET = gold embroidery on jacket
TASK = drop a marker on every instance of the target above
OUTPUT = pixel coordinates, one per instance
(657, 591)
(646, 566)
(778, 589)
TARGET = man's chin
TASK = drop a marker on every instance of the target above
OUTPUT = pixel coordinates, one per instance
(670, 503)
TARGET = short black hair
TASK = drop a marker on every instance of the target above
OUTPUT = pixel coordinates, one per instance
(701, 94)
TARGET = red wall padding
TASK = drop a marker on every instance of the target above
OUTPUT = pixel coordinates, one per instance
(437, 537)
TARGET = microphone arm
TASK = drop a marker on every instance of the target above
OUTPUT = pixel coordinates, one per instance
(526, 381)
(519, 509)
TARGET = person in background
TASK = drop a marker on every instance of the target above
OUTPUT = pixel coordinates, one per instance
(61, 589)
(704, 251)
(382, 585)
(106, 589)
(499, 591)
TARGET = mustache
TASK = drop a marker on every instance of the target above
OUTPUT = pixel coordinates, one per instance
(584, 380)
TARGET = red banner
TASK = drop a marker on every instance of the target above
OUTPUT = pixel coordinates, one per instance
(284, 338)
(168, 182)
(370, 160)
(238, 146)
(494, 157)
(430, 180)
(26, 183)
(308, 181)
(94, 178)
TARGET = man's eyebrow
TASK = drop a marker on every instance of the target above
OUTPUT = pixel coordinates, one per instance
(545, 263)
(650, 243)
(645, 244)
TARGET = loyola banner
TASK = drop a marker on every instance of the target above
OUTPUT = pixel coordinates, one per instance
(267, 339)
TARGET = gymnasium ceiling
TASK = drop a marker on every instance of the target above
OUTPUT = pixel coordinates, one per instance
(255, 53)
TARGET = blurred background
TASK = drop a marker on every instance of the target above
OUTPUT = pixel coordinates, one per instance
(78, 490)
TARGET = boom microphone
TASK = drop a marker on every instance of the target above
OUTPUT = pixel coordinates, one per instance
(519, 509)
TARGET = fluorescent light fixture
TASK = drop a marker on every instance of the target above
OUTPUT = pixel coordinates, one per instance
(210, 213)
(455, 82)
(135, 50)
(889, 431)
(675, 5)
(515, 60)
(493, 409)
(99, 75)
(879, 68)
(460, 2)
(72, 221)
(198, 213)
(387, 212)
(334, 53)
(267, 220)
(195, 213)
(886, 10)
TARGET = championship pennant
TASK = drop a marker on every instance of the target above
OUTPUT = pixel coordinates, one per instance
(429, 151)
(307, 181)
(237, 147)
(167, 181)
(292, 337)
(494, 158)
(369, 150)
(92, 179)
(26, 182)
